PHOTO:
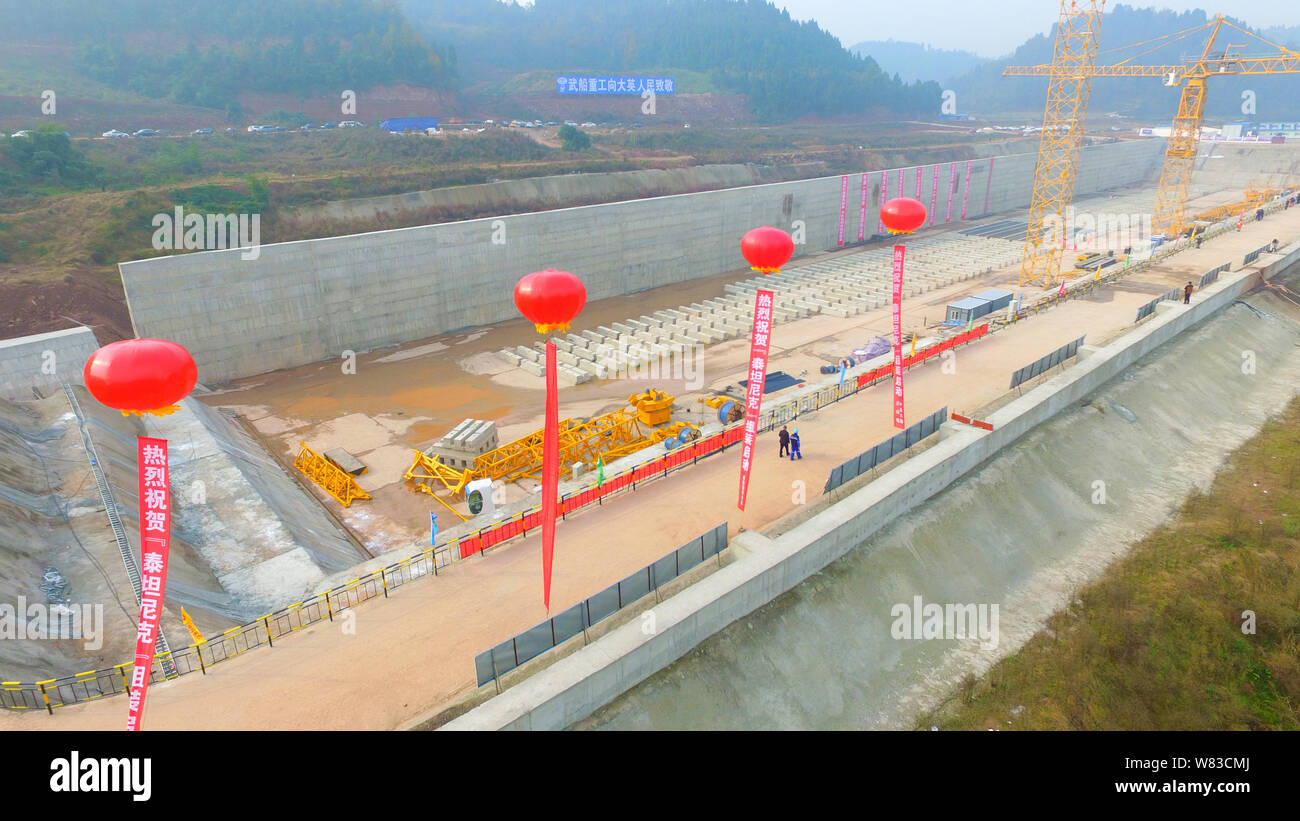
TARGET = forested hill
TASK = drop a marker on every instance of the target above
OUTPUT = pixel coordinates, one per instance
(1277, 97)
(918, 61)
(788, 69)
(208, 53)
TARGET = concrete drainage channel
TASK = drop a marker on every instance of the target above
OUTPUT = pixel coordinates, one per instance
(573, 687)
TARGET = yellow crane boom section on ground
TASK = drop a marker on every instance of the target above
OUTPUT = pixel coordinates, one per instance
(609, 436)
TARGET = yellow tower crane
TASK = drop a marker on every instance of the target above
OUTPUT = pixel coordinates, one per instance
(1042, 253)
(1077, 33)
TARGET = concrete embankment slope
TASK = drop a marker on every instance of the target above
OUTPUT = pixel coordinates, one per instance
(835, 664)
(307, 301)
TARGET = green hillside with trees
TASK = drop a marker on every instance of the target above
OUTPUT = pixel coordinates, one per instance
(787, 68)
(985, 90)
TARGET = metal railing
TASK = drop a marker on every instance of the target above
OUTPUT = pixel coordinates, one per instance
(884, 451)
(1046, 363)
(511, 653)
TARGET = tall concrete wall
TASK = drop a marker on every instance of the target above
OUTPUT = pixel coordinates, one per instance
(34, 364)
(306, 301)
(1233, 165)
(575, 686)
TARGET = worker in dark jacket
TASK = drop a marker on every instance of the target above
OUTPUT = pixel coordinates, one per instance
(785, 441)
(1187, 294)
(794, 446)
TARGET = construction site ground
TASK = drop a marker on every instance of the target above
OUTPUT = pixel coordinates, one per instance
(413, 653)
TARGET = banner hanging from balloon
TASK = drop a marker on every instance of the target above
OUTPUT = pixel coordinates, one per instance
(759, 346)
(552, 300)
(155, 548)
(899, 422)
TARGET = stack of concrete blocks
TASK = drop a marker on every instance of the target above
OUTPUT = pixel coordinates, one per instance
(842, 286)
(466, 442)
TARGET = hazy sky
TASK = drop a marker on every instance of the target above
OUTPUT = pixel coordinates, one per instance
(991, 28)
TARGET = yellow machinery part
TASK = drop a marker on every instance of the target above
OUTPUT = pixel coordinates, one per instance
(333, 480)
(610, 436)
(654, 407)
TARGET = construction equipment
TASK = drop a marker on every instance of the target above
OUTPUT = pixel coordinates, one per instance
(330, 477)
(1077, 34)
(729, 410)
(1069, 94)
(610, 436)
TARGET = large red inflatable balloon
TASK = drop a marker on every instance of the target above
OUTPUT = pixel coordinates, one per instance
(903, 215)
(141, 375)
(551, 299)
(766, 249)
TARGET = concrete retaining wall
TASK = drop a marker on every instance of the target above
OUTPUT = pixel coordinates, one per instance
(576, 686)
(303, 302)
(32, 364)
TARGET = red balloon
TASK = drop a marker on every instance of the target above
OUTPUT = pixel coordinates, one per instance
(903, 215)
(766, 249)
(551, 299)
(141, 375)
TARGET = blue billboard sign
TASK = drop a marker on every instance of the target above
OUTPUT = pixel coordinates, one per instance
(574, 84)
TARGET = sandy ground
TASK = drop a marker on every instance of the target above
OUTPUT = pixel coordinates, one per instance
(414, 652)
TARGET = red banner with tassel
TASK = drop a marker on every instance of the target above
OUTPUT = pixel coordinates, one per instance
(155, 547)
(550, 473)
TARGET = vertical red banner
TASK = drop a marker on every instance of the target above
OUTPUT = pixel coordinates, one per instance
(965, 189)
(550, 473)
(759, 345)
(155, 547)
(952, 189)
(844, 206)
(884, 195)
(988, 185)
(934, 193)
(920, 175)
(899, 422)
(862, 211)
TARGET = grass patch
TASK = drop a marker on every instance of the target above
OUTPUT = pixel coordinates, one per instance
(1197, 628)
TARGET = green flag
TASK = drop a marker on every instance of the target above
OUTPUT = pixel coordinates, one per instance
(600, 471)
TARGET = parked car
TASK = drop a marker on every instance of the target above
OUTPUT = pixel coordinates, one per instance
(258, 129)
(588, 125)
(201, 131)
(113, 132)
(352, 124)
(230, 130)
(146, 132)
(329, 125)
(23, 133)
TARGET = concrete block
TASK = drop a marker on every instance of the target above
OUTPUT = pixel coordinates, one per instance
(535, 368)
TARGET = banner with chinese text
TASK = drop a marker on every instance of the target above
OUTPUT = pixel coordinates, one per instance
(155, 546)
(759, 345)
(898, 337)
